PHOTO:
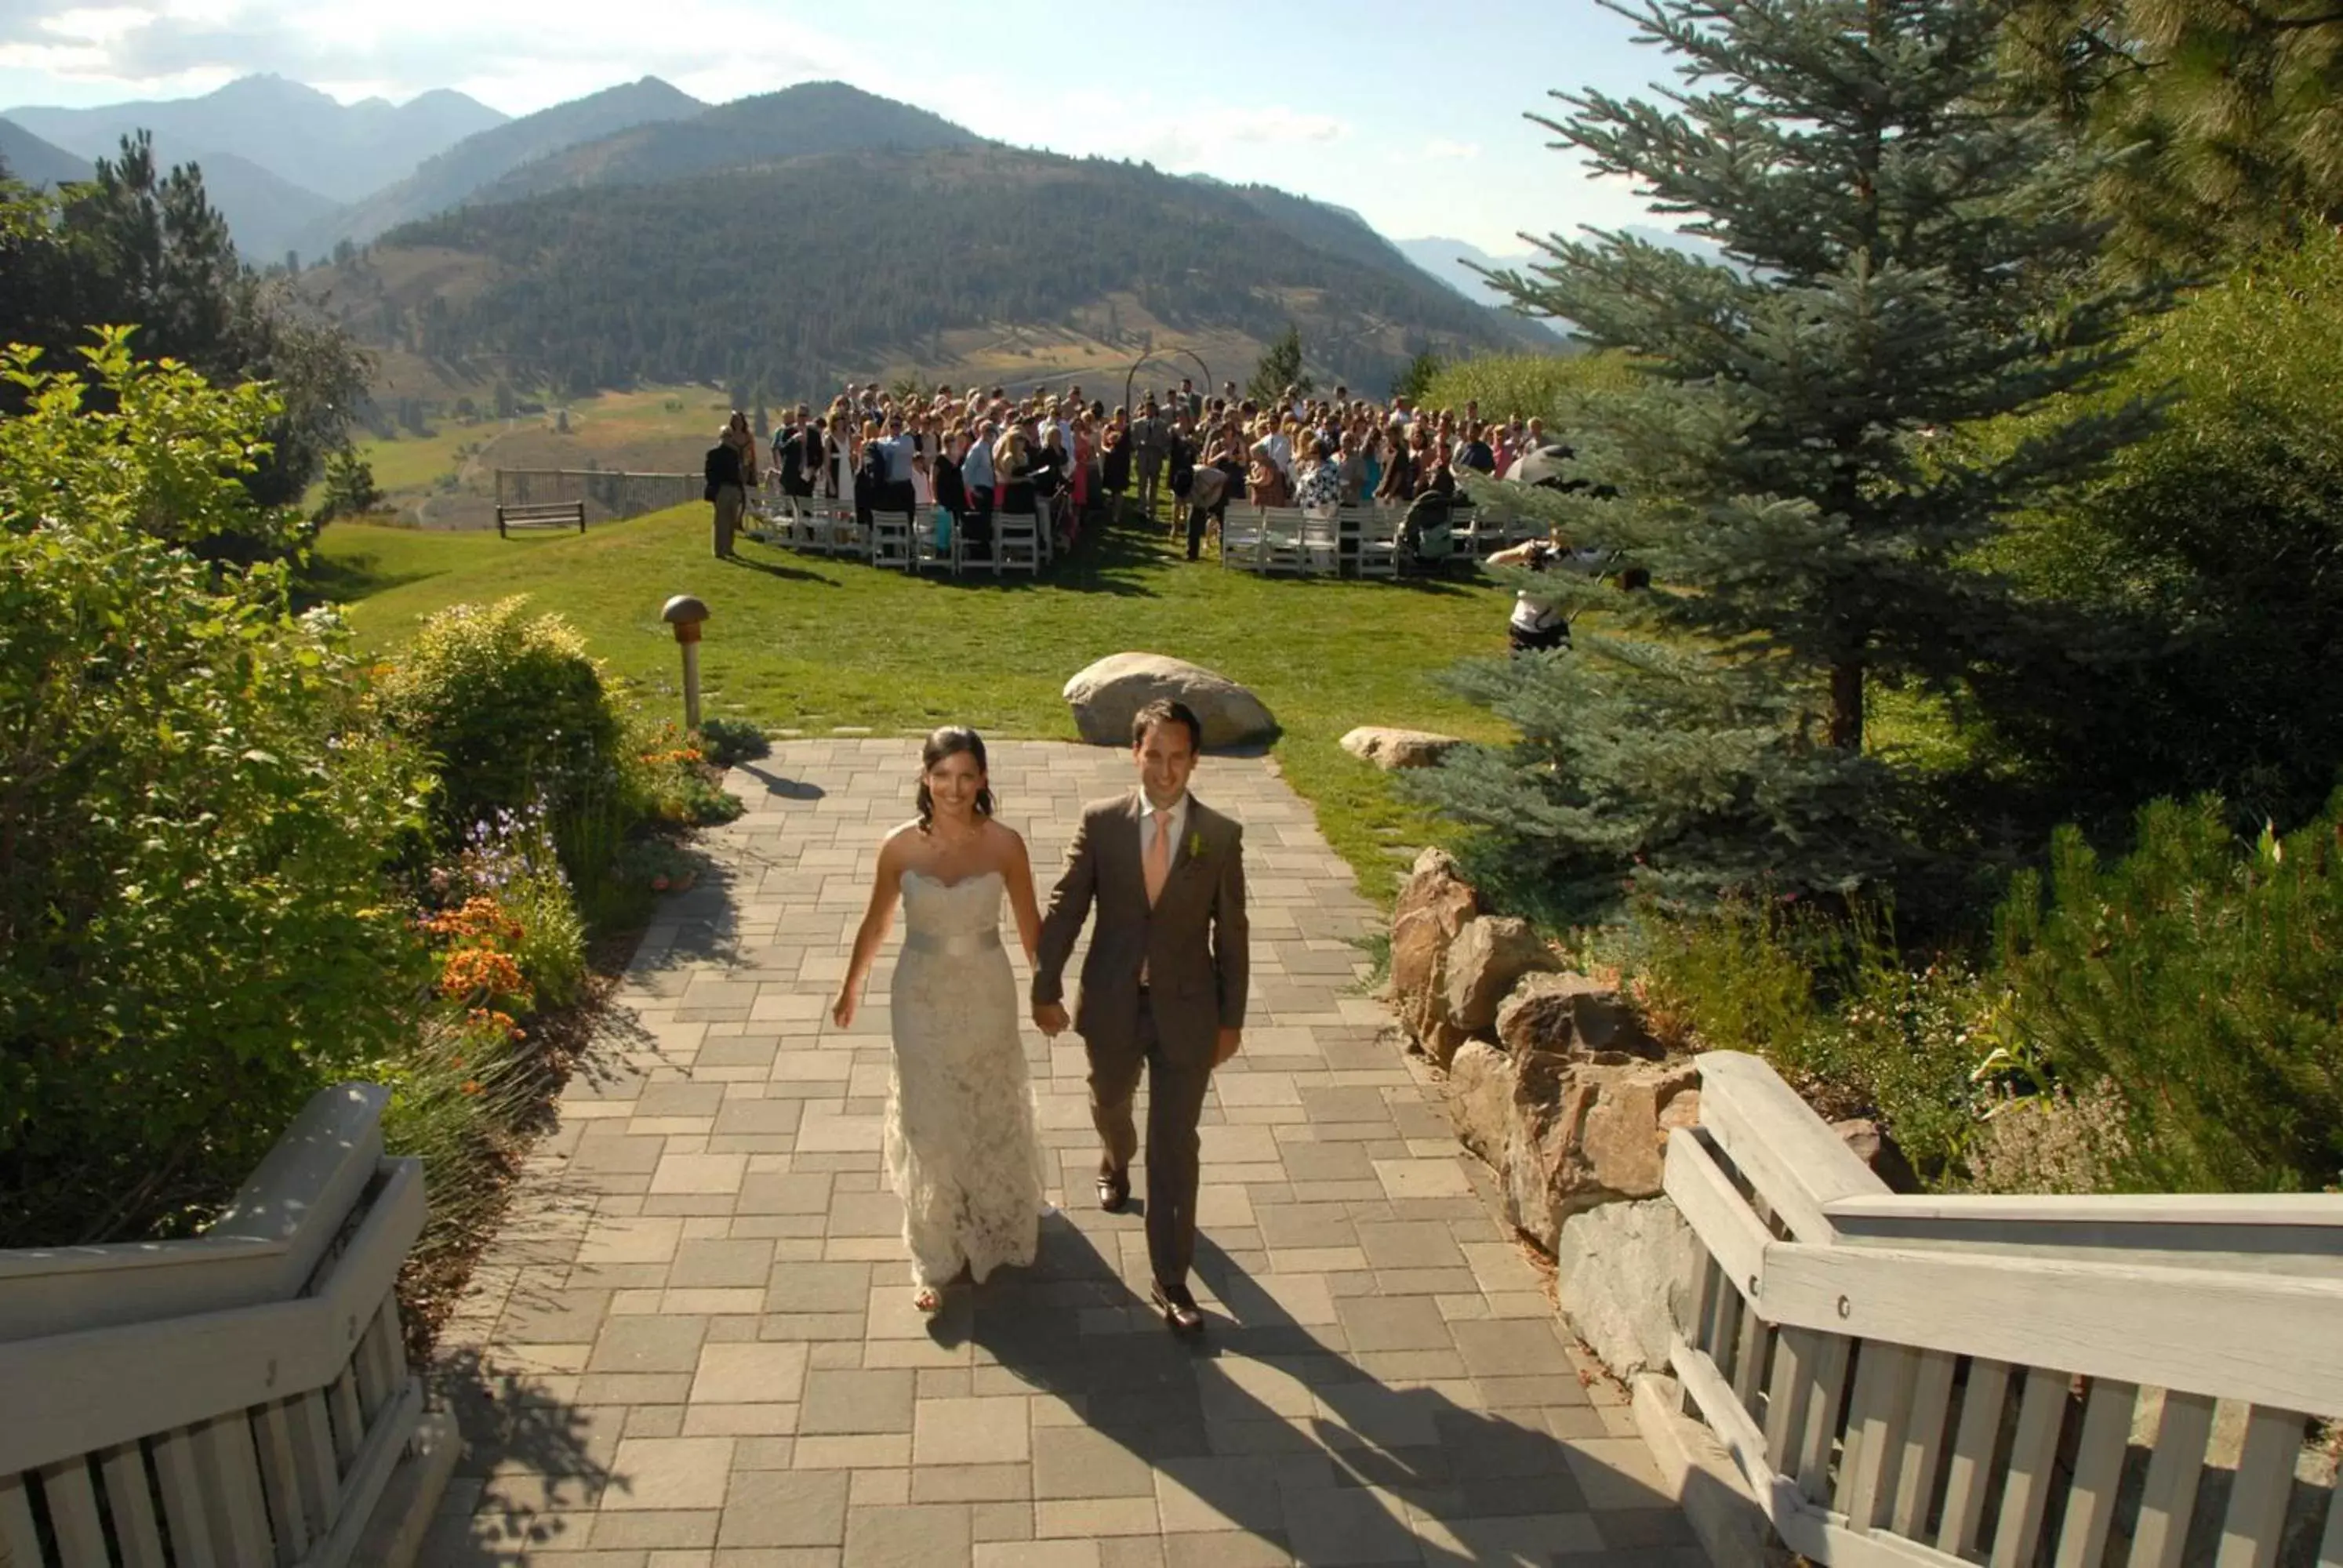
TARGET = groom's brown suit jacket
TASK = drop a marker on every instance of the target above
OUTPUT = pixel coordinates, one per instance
(1192, 942)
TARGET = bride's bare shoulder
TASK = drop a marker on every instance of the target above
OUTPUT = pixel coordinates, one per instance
(900, 839)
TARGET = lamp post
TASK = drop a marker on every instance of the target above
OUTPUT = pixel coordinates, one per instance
(685, 613)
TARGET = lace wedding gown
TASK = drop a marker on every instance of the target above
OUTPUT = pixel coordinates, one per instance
(961, 1148)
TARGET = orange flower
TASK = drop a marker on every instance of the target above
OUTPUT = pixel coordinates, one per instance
(471, 1086)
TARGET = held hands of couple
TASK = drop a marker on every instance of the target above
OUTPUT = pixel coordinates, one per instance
(1051, 1019)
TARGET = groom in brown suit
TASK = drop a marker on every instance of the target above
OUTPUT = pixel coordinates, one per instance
(1164, 987)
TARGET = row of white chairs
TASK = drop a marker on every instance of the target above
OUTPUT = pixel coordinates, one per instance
(1360, 541)
(898, 540)
(1354, 541)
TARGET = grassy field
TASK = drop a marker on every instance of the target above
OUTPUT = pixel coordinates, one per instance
(810, 644)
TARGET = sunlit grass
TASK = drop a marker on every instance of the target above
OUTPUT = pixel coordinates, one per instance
(811, 644)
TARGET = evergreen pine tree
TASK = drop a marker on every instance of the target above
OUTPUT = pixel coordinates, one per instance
(2226, 114)
(1902, 262)
(1280, 367)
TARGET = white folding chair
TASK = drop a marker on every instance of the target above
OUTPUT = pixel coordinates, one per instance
(890, 540)
(847, 537)
(809, 525)
(1322, 544)
(926, 552)
(1016, 543)
(1241, 537)
(1281, 539)
(1376, 530)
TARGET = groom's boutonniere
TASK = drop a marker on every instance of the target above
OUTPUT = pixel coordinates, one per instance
(1196, 845)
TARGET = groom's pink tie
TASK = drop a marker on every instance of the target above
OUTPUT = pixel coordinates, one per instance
(1158, 866)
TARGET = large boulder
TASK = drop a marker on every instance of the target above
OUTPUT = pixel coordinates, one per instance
(1575, 1016)
(1108, 694)
(1433, 905)
(1585, 1134)
(1481, 1101)
(1433, 882)
(1616, 1269)
(1489, 956)
(1389, 749)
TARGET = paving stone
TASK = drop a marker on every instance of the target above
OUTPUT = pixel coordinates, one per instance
(669, 1472)
(711, 1174)
(794, 1287)
(751, 1373)
(856, 1402)
(648, 1344)
(1392, 1323)
(1075, 1462)
(785, 1508)
(555, 1318)
(1348, 1525)
(1410, 1244)
(971, 1431)
(707, 1263)
(932, 1536)
(1515, 1348)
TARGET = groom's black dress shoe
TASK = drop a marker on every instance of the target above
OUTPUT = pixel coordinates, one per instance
(1181, 1313)
(1115, 1191)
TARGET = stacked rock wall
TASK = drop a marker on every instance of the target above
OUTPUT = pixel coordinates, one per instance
(1554, 1083)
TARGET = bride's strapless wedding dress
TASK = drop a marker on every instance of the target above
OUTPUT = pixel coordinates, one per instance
(961, 1148)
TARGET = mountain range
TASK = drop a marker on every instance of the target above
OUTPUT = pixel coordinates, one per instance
(37, 162)
(334, 151)
(638, 234)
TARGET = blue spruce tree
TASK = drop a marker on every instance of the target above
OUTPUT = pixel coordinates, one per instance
(1903, 260)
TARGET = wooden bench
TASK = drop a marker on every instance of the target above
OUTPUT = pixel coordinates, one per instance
(540, 514)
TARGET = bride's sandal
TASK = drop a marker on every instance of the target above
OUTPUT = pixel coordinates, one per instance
(927, 1298)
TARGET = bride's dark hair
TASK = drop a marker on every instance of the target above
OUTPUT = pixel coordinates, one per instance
(951, 741)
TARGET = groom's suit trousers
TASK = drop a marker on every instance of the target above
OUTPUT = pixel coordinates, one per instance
(1175, 1100)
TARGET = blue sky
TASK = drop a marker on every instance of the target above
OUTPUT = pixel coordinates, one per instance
(1411, 114)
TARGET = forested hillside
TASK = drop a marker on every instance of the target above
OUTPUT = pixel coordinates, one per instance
(772, 127)
(35, 162)
(785, 276)
(453, 176)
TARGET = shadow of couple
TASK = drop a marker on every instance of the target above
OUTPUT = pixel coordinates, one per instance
(1266, 1440)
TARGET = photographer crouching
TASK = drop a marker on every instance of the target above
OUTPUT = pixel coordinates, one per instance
(1536, 624)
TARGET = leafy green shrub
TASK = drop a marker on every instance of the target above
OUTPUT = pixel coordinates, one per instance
(511, 705)
(1524, 386)
(197, 930)
(661, 864)
(589, 833)
(726, 742)
(2202, 979)
(670, 781)
(1835, 1006)
(2198, 573)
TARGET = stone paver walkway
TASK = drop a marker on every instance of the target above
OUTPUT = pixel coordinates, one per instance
(694, 1344)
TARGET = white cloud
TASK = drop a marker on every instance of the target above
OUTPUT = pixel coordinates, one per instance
(1443, 148)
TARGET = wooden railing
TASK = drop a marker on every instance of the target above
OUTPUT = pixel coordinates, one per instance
(2012, 1380)
(238, 1399)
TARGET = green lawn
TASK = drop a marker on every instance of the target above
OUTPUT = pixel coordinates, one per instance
(808, 643)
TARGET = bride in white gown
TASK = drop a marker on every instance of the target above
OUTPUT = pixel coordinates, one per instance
(961, 1149)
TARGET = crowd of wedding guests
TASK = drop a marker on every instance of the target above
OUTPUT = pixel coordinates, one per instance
(974, 453)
